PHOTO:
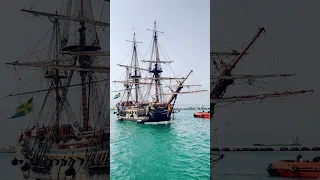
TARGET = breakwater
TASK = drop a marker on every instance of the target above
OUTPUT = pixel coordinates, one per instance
(240, 149)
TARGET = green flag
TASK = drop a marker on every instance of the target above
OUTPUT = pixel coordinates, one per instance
(23, 109)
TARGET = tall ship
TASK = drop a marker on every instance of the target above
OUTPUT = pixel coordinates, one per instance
(68, 132)
(144, 98)
(223, 65)
(223, 77)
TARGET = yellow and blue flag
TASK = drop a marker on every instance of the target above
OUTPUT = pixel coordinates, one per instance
(24, 109)
(117, 96)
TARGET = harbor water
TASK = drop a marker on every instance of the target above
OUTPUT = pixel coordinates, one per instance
(150, 152)
(7, 171)
(234, 166)
(180, 150)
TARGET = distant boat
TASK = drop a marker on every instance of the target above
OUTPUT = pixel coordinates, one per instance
(293, 142)
(202, 114)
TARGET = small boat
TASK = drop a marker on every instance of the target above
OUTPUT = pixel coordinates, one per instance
(296, 168)
(202, 114)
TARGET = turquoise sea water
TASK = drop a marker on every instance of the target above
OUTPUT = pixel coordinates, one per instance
(161, 152)
(150, 152)
(235, 166)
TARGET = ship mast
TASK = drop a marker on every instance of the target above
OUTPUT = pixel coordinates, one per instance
(224, 78)
(57, 77)
(136, 74)
(221, 85)
(127, 85)
(180, 86)
(81, 43)
(157, 68)
(55, 74)
(85, 61)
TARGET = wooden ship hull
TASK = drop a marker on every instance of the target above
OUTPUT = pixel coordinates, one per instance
(78, 160)
(58, 170)
(155, 114)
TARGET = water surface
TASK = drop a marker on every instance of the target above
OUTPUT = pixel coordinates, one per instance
(150, 152)
(7, 171)
(161, 152)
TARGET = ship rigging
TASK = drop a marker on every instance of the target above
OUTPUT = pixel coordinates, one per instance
(149, 103)
(59, 141)
(223, 66)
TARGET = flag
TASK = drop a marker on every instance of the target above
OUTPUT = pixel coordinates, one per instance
(23, 109)
(117, 96)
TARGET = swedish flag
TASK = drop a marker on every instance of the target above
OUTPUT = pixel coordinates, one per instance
(117, 96)
(23, 109)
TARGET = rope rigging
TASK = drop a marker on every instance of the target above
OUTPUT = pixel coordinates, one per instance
(218, 155)
(214, 161)
(36, 144)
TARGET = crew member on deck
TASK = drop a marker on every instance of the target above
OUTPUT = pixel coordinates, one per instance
(299, 158)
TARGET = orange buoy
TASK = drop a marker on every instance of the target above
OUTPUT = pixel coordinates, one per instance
(203, 114)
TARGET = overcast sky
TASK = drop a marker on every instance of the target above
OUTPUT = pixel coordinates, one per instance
(186, 39)
(292, 29)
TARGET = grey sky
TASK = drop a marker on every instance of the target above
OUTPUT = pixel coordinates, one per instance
(186, 39)
(293, 32)
(17, 39)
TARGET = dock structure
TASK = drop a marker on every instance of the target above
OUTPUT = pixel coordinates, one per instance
(237, 149)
